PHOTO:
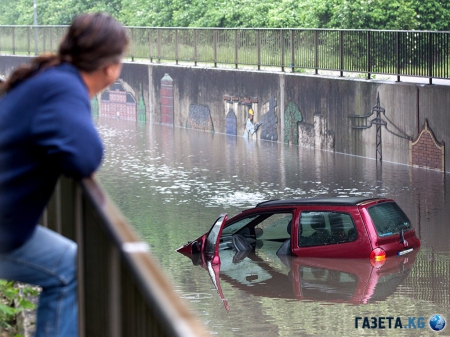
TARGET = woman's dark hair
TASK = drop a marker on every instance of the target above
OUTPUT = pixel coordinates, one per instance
(92, 41)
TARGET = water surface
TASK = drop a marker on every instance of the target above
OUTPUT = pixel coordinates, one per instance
(172, 183)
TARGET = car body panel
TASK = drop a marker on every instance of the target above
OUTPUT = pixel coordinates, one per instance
(333, 227)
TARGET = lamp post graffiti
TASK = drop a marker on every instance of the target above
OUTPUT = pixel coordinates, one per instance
(379, 122)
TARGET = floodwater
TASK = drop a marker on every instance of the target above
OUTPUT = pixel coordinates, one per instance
(172, 183)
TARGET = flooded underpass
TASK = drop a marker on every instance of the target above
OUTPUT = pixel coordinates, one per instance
(172, 183)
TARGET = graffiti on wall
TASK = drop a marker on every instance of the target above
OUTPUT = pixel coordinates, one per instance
(298, 132)
(361, 122)
(316, 135)
(269, 121)
(237, 111)
(199, 118)
(141, 115)
(118, 103)
(167, 97)
(95, 107)
(231, 123)
(425, 151)
(292, 116)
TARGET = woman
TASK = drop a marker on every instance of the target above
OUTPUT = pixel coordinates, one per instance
(46, 130)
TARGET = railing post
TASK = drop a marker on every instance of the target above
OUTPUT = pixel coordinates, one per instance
(316, 51)
(341, 53)
(369, 63)
(397, 54)
(51, 40)
(159, 45)
(44, 37)
(195, 47)
(13, 41)
(79, 233)
(150, 44)
(282, 48)
(215, 47)
(236, 42)
(430, 59)
(36, 38)
(292, 51)
(28, 40)
(176, 46)
(258, 46)
(132, 44)
(115, 323)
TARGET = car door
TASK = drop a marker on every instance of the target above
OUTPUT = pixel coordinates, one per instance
(210, 247)
(331, 232)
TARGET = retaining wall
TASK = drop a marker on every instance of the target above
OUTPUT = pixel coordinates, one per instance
(305, 110)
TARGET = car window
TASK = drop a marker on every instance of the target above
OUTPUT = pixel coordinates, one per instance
(268, 226)
(324, 228)
(389, 218)
(275, 227)
(238, 225)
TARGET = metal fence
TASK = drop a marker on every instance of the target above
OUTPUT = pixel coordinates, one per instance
(396, 53)
(122, 290)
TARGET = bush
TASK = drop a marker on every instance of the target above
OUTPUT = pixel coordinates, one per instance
(13, 300)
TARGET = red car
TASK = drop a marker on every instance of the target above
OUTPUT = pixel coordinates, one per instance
(332, 227)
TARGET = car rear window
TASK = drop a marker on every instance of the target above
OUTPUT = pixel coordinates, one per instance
(389, 218)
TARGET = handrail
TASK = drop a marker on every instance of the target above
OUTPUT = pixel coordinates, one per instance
(122, 290)
(385, 52)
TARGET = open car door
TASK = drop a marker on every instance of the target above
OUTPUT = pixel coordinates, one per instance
(211, 244)
(206, 247)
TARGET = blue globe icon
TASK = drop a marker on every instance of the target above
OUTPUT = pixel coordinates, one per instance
(437, 322)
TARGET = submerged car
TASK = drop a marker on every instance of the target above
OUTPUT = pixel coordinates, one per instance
(327, 227)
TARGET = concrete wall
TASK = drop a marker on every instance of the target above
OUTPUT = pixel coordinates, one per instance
(307, 110)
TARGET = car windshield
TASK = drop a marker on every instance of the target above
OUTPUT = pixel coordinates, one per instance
(389, 218)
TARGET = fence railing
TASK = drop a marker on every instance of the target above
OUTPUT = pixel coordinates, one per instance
(122, 290)
(396, 53)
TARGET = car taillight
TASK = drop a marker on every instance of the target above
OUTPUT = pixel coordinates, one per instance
(378, 254)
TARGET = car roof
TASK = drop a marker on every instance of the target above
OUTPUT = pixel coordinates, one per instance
(332, 201)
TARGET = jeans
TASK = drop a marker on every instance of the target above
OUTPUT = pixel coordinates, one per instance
(47, 260)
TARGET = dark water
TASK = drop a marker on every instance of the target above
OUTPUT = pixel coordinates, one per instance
(173, 183)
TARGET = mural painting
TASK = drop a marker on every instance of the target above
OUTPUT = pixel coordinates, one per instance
(292, 116)
(360, 122)
(426, 151)
(269, 121)
(199, 118)
(238, 115)
(94, 107)
(141, 116)
(231, 123)
(118, 103)
(167, 98)
(316, 135)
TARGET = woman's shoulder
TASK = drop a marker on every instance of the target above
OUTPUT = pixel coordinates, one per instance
(61, 73)
(59, 79)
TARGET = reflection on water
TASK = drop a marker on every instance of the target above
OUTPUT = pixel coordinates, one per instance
(173, 183)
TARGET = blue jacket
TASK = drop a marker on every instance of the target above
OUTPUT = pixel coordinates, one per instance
(46, 130)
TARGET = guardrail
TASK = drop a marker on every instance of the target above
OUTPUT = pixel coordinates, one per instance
(397, 53)
(122, 290)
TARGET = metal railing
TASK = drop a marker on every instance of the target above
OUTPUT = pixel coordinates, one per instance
(122, 290)
(397, 53)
